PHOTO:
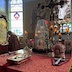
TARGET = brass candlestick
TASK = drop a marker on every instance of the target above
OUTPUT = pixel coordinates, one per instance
(26, 35)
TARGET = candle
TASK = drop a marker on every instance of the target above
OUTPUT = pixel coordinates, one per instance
(26, 32)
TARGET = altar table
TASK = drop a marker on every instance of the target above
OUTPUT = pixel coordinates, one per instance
(36, 63)
(39, 63)
(3, 61)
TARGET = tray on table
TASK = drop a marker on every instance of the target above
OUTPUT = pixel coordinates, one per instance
(18, 59)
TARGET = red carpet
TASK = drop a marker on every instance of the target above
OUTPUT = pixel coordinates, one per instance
(40, 63)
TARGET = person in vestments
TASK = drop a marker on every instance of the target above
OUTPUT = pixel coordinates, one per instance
(13, 41)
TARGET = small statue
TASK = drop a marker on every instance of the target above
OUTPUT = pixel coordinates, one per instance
(59, 50)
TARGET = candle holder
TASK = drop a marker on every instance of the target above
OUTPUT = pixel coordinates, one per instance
(60, 35)
(26, 39)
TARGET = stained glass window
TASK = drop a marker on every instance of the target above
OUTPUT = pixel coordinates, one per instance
(16, 16)
(66, 25)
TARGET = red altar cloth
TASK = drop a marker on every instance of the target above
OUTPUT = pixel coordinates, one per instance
(39, 63)
(3, 62)
(3, 48)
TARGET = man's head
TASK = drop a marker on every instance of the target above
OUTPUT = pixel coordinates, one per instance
(9, 32)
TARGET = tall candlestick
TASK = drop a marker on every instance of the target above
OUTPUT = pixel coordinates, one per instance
(26, 34)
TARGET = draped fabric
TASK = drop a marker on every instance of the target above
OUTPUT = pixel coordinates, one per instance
(13, 43)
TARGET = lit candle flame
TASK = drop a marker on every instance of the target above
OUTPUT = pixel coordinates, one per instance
(26, 32)
(36, 35)
(59, 34)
